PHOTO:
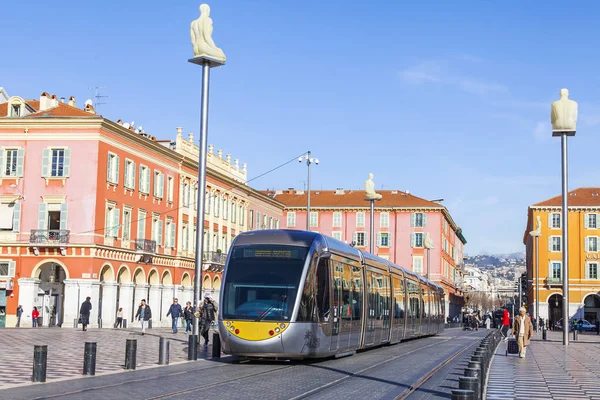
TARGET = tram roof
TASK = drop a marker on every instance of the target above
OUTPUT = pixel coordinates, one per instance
(288, 237)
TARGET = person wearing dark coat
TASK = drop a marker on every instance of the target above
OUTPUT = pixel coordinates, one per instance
(84, 312)
(144, 314)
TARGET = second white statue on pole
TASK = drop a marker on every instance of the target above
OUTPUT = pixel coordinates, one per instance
(201, 34)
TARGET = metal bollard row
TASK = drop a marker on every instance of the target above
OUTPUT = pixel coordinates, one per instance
(472, 384)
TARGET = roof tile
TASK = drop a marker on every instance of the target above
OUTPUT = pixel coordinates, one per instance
(62, 110)
(350, 198)
(581, 197)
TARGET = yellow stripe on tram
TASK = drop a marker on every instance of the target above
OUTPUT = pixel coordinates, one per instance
(254, 331)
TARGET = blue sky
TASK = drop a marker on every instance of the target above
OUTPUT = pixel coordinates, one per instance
(445, 99)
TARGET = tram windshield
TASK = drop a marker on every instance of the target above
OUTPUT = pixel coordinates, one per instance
(262, 282)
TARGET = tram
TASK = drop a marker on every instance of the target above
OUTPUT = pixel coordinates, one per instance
(292, 294)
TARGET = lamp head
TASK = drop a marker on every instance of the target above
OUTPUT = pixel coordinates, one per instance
(317, 161)
(299, 159)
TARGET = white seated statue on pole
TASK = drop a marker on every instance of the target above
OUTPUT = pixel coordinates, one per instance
(564, 113)
(201, 33)
(538, 227)
(370, 189)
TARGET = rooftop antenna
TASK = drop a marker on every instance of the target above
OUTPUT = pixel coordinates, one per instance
(97, 95)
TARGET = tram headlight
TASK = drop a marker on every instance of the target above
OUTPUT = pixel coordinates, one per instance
(231, 328)
(282, 326)
(277, 330)
(228, 323)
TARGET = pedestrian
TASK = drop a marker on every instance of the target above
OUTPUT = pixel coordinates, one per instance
(487, 322)
(188, 314)
(119, 323)
(207, 317)
(523, 330)
(84, 312)
(19, 313)
(35, 314)
(505, 323)
(175, 312)
(144, 314)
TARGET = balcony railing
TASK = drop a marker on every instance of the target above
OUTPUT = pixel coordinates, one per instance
(145, 245)
(553, 281)
(214, 257)
(49, 236)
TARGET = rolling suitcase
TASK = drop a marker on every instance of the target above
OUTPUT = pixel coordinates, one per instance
(512, 346)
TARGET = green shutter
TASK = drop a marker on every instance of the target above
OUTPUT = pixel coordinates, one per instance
(412, 219)
(413, 239)
(42, 216)
(2, 155)
(64, 215)
(67, 163)
(550, 243)
(140, 227)
(379, 240)
(115, 222)
(173, 233)
(46, 160)
(20, 161)
(12, 269)
(424, 220)
(141, 178)
(17, 218)
(133, 175)
(109, 168)
(147, 180)
(161, 191)
(160, 232)
(118, 161)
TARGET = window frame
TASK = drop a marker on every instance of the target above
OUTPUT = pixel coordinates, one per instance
(360, 219)
(588, 265)
(314, 214)
(291, 215)
(384, 222)
(336, 215)
(552, 238)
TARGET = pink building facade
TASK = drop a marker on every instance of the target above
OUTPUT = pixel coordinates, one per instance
(401, 224)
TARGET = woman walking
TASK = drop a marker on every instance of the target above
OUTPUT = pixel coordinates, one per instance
(119, 323)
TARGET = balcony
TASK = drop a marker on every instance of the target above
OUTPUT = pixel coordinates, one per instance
(213, 261)
(49, 237)
(145, 246)
(553, 281)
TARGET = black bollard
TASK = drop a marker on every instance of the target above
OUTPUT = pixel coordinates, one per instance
(192, 347)
(163, 351)
(40, 358)
(89, 358)
(473, 372)
(462, 394)
(469, 383)
(130, 353)
(575, 335)
(544, 334)
(216, 349)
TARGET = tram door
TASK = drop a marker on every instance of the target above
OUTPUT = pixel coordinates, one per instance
(342, 307)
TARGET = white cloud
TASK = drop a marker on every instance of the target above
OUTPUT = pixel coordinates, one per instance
(425, 72)
(475, 86)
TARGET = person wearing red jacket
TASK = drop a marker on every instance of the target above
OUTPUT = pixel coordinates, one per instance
(34, 316)
(505, 323)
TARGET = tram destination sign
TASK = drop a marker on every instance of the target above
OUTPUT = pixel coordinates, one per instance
(276, 252)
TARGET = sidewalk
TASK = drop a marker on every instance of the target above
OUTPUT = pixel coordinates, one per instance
(66, 348)
(548, 371)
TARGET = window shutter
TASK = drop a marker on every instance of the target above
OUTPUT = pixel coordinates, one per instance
(2, 154)
(147, 180)
(424, 220)
(412, 219)
(118, 162)
(109, 168)
(586, 243)
(140, 227)
(12, 267)
(354, 237)
(46, 162)
(64, 216)
(42, 216)
(141, 178)
(20, 161)
(173, 230)
(379, 240)
(586, 221)
(162, 186)
(17, 218)
(67, 163)
(115, 222)
(413, 239)
(550, 243)
(550, 220)
(390, 240)
(160, 232)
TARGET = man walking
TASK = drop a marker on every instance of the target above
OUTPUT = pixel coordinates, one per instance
(523, 330)
(144, 314)
(19, 313)
(175, 312)
(207, 316)
(84, 312)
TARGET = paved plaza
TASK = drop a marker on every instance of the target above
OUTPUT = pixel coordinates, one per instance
(548, 371)
(66, 348)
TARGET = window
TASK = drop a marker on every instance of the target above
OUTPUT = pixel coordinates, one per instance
(418, 264)
(384, 220)
(141, 227)
(360, 238)
(159, 184)
(225, 207)
(7, 269)
(556, 270)
(10, 216)
(111, 223)
(251, 219)
(314, 218)
(144, 179)
(170, 186)
(129, 174)
(112, 168)
(277, 224)
(554, 243)
(590, 221)
(591, 244)
(383, 239)
(186, 195)
(15, 110)
(418, 220)
(206, 243)
(170, 233)
(271, 223)
(360, 219)
(194, 240)
(207, 202)
(233, 212)
(337, 219)
(264, 224)
(291, 219)
(336, 235)
(242, 215)
(185, 236)
(56, 163)
(126, 223)
(11, 160)
(591, 272)
(157, 229)
(217, 205)
(416, 239)
(554, 220)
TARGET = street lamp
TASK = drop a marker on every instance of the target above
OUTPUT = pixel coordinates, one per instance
(536, 236)
(14, 186)
(309, 161)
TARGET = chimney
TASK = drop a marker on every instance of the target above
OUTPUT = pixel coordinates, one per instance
(62, 100)
(89, 107)
(54, 100)
(339, 191)
(45, 101)
(290, 190)
(72, 101)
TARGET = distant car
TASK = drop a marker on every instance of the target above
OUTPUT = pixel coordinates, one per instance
(585, 325)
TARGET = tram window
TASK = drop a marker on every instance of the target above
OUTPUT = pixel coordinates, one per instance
(356, 293)
(307, 312)
(323, 289)
(398, 297)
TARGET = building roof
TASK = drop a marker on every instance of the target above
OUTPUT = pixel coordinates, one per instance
(349, 198)
(581, 197)
(62, 110)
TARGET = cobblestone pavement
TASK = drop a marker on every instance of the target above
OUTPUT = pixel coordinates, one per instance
(66, 348)
(380, 373)
(548, 371)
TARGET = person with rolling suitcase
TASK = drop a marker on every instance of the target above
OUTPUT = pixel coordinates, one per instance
(523, 331)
